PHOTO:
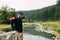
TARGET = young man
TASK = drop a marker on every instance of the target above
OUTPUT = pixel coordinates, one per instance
(19, 27)
(16, 24)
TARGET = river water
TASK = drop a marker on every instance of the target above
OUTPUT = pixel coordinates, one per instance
(33, 37)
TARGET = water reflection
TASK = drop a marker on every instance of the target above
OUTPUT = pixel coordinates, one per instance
(33, 37)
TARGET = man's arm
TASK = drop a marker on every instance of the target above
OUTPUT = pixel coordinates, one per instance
(22, 17)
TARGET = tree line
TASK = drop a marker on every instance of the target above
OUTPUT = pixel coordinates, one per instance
(5, 14)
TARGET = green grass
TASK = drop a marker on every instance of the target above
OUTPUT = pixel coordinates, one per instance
(5, 27)
(55, 26)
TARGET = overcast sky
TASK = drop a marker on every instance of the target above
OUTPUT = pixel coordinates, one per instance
(27, 4)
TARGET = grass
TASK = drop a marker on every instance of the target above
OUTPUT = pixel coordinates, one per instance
(55, 26)
(5, 27)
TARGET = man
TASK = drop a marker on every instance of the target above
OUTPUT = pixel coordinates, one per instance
(16, 24)
(19, 25)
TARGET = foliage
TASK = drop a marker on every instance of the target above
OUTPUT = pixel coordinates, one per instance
(5, 14)
(57, 12)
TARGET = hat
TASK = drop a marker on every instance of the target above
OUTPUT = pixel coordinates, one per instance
(20, 13)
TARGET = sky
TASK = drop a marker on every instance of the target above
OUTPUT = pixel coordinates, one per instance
(27, 4)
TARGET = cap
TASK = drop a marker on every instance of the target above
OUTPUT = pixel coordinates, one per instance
(20, 13)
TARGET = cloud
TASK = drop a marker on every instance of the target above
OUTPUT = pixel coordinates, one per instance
(27, 4)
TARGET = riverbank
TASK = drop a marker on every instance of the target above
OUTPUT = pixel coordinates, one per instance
(53, 25)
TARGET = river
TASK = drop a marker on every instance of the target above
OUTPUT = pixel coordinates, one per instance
(33, 37)
(30, 33)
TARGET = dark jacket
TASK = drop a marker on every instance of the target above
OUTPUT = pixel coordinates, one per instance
(19, 27)
(17, 24)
